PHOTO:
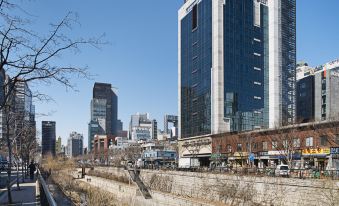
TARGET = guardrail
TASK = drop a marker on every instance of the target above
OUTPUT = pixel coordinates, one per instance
(46, 197)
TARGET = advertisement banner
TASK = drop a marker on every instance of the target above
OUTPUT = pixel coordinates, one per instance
(315, 152)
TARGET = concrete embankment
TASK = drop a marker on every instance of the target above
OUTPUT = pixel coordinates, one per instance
(235, 190)
(126, 194)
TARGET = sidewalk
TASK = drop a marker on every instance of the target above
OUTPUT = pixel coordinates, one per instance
(26, 195)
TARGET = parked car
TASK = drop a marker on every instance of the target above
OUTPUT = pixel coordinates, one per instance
(282, 170)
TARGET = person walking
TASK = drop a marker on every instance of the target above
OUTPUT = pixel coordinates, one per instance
(32, 169)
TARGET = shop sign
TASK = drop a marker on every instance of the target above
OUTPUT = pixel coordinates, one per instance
(272, 153)
(318, 151)
(240, 154)
(334, 150)
(263, 153)
(218, 156)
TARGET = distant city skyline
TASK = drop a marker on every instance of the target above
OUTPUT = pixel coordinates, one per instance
(141, 59)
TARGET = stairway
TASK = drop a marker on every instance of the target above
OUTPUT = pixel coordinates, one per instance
(142, 187)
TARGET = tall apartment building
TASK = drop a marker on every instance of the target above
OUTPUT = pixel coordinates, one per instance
(48, 138)
(75, 145)
(236, 65)
(104, 112)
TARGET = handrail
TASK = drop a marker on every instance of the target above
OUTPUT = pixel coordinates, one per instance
(48, 195)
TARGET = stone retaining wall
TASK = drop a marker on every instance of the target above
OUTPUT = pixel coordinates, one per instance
(235, 190)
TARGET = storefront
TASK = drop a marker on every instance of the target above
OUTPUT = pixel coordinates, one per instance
(239, 159)
(218, 160)
(317, 158)
(334, 159)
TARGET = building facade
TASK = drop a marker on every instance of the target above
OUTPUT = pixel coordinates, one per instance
(305, 99)
(142, 128)
(58, 146)
(48, 138)
(230, 77)
(282, 62)
(326, 82)
(318, 93)
(75, 145)
(303, 146)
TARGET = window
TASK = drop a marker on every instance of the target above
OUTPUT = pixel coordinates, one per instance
(229, 148)
(219, 148)
(309, 142)
(264, 146)
(296, 142)
(239, 147)
(285, 144)
(195, 17)
(254, 146)
(274, 145)
(336, 139)
(323, 141)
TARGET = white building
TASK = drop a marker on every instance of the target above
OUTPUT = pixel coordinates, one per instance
(142, 127)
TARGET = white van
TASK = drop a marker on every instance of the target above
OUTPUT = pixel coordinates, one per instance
(282, 170)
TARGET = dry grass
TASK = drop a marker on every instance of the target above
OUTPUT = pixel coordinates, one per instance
(79, 192)
(109, 176)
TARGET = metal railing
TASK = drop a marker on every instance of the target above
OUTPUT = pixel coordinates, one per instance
(46, 197)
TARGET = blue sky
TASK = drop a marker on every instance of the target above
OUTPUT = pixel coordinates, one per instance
(141, 59)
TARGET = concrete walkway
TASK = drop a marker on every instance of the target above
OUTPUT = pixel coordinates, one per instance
(26, 195)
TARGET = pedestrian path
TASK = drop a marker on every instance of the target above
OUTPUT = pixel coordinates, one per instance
(26, 195)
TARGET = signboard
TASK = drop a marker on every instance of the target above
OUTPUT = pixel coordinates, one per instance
(276, 153)
(318, 151)
(334, 150)
(251, 157)
(218, 156)
(240, 154)
(263, 153)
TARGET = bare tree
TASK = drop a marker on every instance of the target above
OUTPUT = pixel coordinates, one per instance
(29, 57)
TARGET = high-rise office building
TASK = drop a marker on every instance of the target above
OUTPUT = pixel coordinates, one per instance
(104, 112)
(75, 145)
(23, 109)
(48, 138)
(236, 65)
(282, 62)
(2, 100)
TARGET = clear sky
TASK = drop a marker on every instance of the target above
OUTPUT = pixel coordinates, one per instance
(141, 60)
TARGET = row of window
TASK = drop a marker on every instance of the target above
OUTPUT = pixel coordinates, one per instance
(286, 144)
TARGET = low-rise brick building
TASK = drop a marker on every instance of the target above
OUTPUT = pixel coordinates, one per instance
(304, 145)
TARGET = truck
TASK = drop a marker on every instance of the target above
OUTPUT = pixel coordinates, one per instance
(188, 162)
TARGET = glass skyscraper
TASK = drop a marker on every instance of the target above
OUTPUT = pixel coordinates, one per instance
(236, 65)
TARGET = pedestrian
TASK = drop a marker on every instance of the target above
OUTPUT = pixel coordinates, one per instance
(32, 169)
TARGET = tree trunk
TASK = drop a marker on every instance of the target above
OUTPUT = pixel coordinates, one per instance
(17, 175)
(9, 170)
(22, 169)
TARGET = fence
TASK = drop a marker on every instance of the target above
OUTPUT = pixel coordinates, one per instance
(46, 197)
